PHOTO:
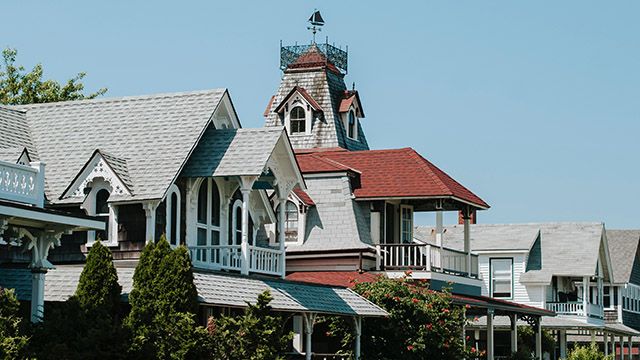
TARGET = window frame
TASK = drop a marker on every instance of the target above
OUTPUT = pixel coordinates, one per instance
(288, 229)
(209, 227)
(169, 202)
(302, 120)
(403, 209)
(352, 132)
(492, 277)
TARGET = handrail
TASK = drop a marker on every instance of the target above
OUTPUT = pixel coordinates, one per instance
(229, 257)
(425, 257)
(22, 183)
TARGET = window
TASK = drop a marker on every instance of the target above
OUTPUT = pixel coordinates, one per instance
(297, 120)
(606, 296)
(208, 221)
(102, 211)
(501, 281)
(351, 125)
(236, 222)
(406, 223)
(291, 222)
(173, 222)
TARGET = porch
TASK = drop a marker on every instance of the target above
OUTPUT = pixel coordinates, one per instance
(426, 257)
(577, 296)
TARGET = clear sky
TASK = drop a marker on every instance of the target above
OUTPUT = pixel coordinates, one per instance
(535, 106)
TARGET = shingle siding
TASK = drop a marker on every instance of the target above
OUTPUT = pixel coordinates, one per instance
(631, 319)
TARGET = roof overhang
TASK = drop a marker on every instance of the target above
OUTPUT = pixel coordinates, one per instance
(33, 217)
(445, 206)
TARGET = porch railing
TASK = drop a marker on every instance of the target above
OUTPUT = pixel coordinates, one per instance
(229, 257)
(576, 308)
(22, 183)
(425, 257)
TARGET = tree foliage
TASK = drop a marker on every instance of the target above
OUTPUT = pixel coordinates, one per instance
(258, 334)
(587, 353)
(13, 341)
(163, 305)
(422, 323)
(86, 326)
(20, 87)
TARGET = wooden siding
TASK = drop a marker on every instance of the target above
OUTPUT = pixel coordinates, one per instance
(529, 295)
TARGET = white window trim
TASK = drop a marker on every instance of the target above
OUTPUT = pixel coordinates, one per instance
(173, 189)
(89, 205)
(345, 121)
(402, 209)
(208, 226)
(295, 101)
(234, 222)
(511, 281)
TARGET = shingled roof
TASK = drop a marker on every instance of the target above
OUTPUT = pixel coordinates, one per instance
(398, 173)
(623, 247)
(154, 133)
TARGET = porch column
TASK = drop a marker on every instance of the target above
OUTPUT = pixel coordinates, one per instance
(309, 319)
(358, 330)
(514, 332)
(150, 215)
(563, 343)
(593, 336)
(37, 294)
(630, 347)
(282, 203)
(467, 239)
(490, 313)
(613, 345)
(539, 339)
(585, 294)
(621, 342)
(605, 340)
(246, 183)
(439, 239)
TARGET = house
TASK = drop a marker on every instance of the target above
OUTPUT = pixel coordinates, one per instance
(177, 164)
(562, 267)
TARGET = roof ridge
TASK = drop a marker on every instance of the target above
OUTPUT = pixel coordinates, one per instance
(24, 108)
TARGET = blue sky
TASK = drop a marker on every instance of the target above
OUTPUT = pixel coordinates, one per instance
(535, 106)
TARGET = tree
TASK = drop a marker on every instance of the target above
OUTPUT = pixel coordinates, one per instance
(587, 353)
(422, 323)
(13, 341)
(20, 87)
(258, 334)
(89, 320)
(163, 306)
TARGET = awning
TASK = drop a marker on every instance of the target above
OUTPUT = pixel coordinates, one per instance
(501, 307)
(214, 289)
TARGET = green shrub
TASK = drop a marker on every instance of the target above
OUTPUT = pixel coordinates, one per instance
(587, 353)
(258, 334)
(13, 341)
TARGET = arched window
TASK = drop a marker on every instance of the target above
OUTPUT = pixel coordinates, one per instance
(351, 125)
(208, 221)
(102, 211)
(291, 222)
(297, 120)
(173, 223)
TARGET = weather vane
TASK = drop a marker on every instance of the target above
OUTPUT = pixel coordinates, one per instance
(316, 22)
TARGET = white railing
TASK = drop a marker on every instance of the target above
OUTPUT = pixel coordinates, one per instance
(265, 260)
(217, 257)
(229, 257)
(424, 257)
(21, 183)
(576, 308)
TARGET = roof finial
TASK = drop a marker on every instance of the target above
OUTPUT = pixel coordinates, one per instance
(316, 22)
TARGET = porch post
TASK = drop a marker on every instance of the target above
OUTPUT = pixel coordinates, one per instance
(539, 339)
(563, 343)
(245, 231)
(593, 336)
(490, 313)
(605, 340)
(150, 214)
(630, 346)
(467, 240)
(282, 203)
(37, 294)
(358, 331)
(514, 332)
(621, 342)
(309, 319)
(613, 345)
(439, 239)
(585, 294)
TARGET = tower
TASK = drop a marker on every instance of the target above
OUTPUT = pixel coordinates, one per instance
(313, 101)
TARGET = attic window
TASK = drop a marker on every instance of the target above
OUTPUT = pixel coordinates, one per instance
(351, 125)
(297, 120)
(102, 211)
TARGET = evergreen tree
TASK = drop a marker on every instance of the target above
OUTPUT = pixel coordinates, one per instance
(13, 341)
(256, 335)
(163, 305)
(98, 290)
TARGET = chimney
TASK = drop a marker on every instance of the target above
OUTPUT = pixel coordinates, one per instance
(472, 220)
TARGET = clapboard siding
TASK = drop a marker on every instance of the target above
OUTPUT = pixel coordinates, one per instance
(521, 294)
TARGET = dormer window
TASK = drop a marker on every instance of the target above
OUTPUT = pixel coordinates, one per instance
(102, 211)
(352, 125)
(297, 120)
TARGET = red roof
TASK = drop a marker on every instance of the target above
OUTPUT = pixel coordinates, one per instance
(303, 196)
(268, 109)
(399, 173)
(349, 97)
(334, 278)
(313, 58)
(299, 89)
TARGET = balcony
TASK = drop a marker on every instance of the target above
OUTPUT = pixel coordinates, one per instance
(22, 183)
(262, 260)
(576, 308)
(425, 257)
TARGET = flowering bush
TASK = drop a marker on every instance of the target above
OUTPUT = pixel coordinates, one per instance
(587, 353)
(422, 323)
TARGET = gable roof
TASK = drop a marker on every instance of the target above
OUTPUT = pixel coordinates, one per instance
(13, 154)
(156, 133)
(117, 165)
(484, 237)
(623, 247)
(15, 131)
(303, 196)
(397, 173)
(233, 152)
(349, 97)
(300, 90)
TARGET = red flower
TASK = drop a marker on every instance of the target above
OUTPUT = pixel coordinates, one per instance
(446, 311)
(410, 347)
(429, 326)
(415, 301)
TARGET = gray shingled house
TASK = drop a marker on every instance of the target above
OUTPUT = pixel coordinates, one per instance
(177, 164)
